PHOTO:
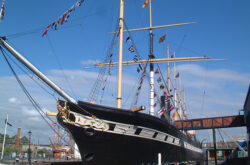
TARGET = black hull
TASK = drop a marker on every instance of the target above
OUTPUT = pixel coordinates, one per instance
(115, 147)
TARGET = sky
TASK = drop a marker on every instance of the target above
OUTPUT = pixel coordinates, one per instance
(213, 88)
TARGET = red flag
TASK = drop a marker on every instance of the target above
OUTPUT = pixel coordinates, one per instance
(172, 107)
(162, 38)
(131, 48)
(161, 111)
(63, 19)
(157, 71)
(47, 28)
(155, 94)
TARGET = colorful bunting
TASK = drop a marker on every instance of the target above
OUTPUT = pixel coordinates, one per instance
(162, 86)
(128, 39)
(161, 111)
(175, 115)
(118, 34)
(162, 38)
(139, 88)
(2, 11)
(110, 66)
(155, 105)
(157, 71)
(170, 108)
(135, 58)
(63, 18)
(155, 94)
(167, 100)
(67, 17)
(140, 66)
(177, 75)
(159, 80)
(145, 3)
(131, 48)
(47, 28)
(138, 70)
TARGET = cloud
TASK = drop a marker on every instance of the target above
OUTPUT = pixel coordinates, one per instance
(196, 71)
(13, 100)
(29, 112)
(90, 62)
(224, 94)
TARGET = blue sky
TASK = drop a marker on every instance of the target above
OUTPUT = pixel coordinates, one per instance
(221, 31)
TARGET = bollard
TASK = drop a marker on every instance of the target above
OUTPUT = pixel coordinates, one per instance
(159, 158)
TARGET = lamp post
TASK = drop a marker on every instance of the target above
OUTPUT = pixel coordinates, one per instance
(29, 153)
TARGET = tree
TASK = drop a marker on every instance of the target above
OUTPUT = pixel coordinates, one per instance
(24, 140)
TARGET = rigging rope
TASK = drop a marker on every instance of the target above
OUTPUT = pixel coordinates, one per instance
(31, 76)
(31, 99)
(41, 29)
(93, 96)
(60, 65)
(33, 102)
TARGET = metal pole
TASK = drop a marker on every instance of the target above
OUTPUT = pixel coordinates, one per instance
(151, 56)
(5, 130)
(215, 150)
(248, 147)
(159, 158)
(29, 156)
(207, 152)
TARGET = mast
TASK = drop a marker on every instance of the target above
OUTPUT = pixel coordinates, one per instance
(23, 60)
(168, 73)
(169, 87)
(185, 106)
(180, 107)
(151, 56)
(175, 89)
(159, 60)
(119, 85)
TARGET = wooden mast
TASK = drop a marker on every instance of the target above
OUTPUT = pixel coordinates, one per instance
(180, 107)
(169, 87)
(119, 85)
(156, 27)
(159, 60)
(168, 74)
(185, 106)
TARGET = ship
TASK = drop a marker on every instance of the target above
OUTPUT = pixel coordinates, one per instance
(59, 150)
(114, 135)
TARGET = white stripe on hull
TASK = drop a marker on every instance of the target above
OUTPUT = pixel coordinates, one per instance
(129, 130)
